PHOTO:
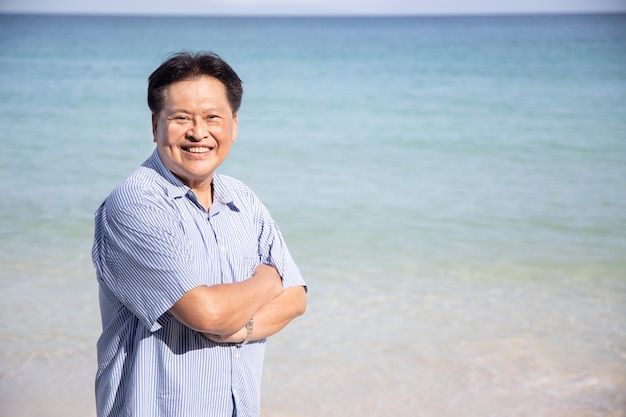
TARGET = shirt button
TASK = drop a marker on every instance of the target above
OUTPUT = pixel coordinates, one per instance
(223, 248)
(237, 355)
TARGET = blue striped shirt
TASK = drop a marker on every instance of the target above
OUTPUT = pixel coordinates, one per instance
(153, 243)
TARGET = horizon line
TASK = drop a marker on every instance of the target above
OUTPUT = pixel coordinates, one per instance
(313, 15)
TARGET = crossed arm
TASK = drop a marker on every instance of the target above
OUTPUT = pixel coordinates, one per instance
(222, 311)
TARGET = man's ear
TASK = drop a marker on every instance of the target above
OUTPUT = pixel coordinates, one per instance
(235, 126)
(154, 126)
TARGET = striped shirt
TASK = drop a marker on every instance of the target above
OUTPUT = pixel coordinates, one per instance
(153, 243)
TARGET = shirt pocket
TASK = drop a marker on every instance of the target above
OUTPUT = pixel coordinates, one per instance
(239, 266)
(239, 246)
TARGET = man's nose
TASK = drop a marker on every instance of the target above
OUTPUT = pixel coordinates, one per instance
(198, 130)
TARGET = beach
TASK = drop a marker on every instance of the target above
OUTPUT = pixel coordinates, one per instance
(452, 189)
(349, 364)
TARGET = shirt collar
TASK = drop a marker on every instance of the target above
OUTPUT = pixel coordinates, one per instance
(221, 192)
(176, 189)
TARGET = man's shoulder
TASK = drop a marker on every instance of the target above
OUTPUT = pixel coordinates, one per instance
(143, 186)
(232, 184)
(233, 190)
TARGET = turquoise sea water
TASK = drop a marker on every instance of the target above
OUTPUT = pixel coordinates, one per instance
(453, 189)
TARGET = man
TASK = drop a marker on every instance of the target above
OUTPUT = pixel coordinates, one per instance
(193, 272)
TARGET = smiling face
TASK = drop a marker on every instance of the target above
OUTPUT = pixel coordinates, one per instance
(194, 130)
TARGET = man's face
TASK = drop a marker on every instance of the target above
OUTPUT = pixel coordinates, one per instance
(195, 129)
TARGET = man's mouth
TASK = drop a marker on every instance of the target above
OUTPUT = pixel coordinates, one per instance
(197, 149)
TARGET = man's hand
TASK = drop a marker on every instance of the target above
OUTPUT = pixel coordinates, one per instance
(223, 309)
(237, 337)
(270, 273)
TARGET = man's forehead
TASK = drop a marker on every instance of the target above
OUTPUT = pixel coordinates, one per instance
(209, 92)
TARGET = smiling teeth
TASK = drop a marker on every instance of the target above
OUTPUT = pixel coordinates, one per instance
(198, 150)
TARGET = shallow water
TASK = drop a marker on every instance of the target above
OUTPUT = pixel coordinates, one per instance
(452, 189)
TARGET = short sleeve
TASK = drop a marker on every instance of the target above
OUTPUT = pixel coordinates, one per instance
(273, 251)
(142, 257)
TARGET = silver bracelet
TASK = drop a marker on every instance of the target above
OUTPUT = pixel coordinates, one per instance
(249, 328)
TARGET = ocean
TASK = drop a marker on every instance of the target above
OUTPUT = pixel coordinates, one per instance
(452, 188)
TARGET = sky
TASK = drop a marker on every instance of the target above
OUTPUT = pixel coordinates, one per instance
(310, 7)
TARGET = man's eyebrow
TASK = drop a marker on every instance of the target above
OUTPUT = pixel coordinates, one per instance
(204, 110)
(213, 109)
(178, 110)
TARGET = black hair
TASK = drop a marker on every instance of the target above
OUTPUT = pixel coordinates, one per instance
(183, 66)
